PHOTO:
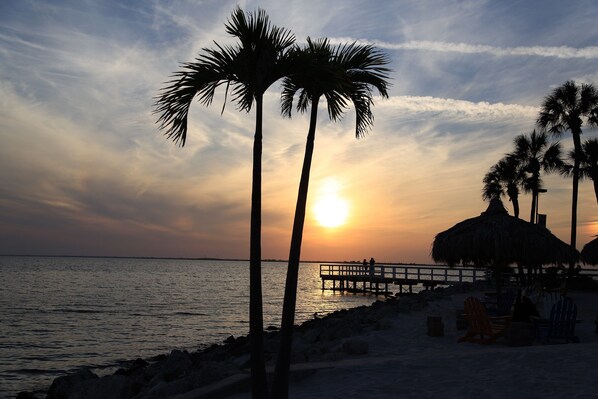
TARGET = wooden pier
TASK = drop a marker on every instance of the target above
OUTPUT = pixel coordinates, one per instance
(357, 278)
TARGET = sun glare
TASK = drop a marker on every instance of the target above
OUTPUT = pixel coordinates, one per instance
(330, 209)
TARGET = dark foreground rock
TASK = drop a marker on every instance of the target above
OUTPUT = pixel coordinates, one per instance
(325, 338)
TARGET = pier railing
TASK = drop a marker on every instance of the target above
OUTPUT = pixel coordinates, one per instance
(437, 274)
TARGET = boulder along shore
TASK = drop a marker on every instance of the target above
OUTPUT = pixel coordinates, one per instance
(332, 337)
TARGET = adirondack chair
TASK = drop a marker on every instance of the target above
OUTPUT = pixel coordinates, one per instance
(561, 325)
(482, 328)
(548, 300)
(503, 305)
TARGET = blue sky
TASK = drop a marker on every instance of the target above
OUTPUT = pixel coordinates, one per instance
(84, 170)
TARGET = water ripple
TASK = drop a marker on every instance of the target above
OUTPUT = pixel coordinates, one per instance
(60, 314)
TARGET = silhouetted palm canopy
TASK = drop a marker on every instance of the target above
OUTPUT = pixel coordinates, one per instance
(566, 109)
(504, 178)
(588, 164)
(535, 155)
(496, 238)
(343, 75)
(247, 69)
(589, 253)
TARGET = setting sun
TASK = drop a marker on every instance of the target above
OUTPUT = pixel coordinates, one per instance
(330, 209)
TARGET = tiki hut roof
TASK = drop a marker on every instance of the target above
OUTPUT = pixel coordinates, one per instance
(589, 253)
(495, 238)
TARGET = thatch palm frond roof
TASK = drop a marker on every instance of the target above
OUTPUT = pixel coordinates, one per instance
(495, 238)
(589, 253)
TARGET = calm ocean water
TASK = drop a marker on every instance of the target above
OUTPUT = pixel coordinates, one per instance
(58, 314)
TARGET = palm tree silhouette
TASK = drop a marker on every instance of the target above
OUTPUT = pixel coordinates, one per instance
(535, 155)
(260, 58)
(341, 74)
(565, 110)
(588, 164)
(504, 178)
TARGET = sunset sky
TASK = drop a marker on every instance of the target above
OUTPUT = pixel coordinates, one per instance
(85, 171)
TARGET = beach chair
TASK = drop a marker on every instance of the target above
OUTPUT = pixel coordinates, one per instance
(548, 300)
(503, 305)
(561, 325)
(482, 328)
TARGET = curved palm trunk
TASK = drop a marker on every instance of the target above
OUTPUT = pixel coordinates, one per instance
(577, 149)
(514, 197)
(280, 387)
(259, 387)
(595, 180)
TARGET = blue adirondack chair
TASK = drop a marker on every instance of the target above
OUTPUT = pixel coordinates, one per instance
(561, 325)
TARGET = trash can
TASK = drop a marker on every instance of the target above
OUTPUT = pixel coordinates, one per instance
(435, 326)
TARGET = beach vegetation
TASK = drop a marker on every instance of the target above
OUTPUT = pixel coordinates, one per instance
(504, 179)
(246, 70)
(568, 108)
(588, 164)
(344, 74)
(536, 154)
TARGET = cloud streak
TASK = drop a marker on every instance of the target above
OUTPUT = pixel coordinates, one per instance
(562, 52)
(451, 107)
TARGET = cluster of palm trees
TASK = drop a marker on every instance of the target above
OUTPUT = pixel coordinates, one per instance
(264, 54)
(521, 169)
(568, 108)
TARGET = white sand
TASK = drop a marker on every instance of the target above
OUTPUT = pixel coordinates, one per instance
(403, 362)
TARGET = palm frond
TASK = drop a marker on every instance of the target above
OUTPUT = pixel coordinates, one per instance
(247, 69)
(342, 74)
(174, 100)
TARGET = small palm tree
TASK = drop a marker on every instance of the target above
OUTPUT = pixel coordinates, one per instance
(536, 155)
(565, 109)
(588, 164)
(343, 74)
(504, 178)
(260, 58)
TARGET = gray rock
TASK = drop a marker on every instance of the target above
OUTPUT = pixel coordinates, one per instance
(65, 387)
(355, 347)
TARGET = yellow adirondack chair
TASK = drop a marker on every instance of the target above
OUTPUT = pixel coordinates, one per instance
(482, 328)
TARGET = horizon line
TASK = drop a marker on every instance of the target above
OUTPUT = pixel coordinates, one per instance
(202, 258)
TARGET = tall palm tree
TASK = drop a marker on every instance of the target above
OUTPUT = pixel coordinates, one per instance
(588, 164)
(536, 155)
(565, 110)
(341, 74)
(504, 178)
(247, 68)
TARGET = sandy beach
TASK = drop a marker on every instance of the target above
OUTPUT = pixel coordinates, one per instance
(403, 361)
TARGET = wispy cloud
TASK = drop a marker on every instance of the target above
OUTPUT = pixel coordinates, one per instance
(451, 107)
(564, 52)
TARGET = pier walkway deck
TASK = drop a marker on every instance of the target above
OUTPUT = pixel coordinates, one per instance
(354, 277)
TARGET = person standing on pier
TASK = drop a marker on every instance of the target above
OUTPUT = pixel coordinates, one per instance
(372, 263)
(365, 266)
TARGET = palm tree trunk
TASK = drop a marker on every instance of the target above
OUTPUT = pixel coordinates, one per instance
(577, 149)
(514, 197)
(595, 180)
(280, 387)
(259, 388)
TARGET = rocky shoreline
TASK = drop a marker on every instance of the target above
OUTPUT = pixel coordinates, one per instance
(327, 338)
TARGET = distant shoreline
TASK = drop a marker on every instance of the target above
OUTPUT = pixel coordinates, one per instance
(206, 258)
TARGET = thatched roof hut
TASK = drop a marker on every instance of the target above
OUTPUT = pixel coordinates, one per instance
(496, 238)
(589, 253)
